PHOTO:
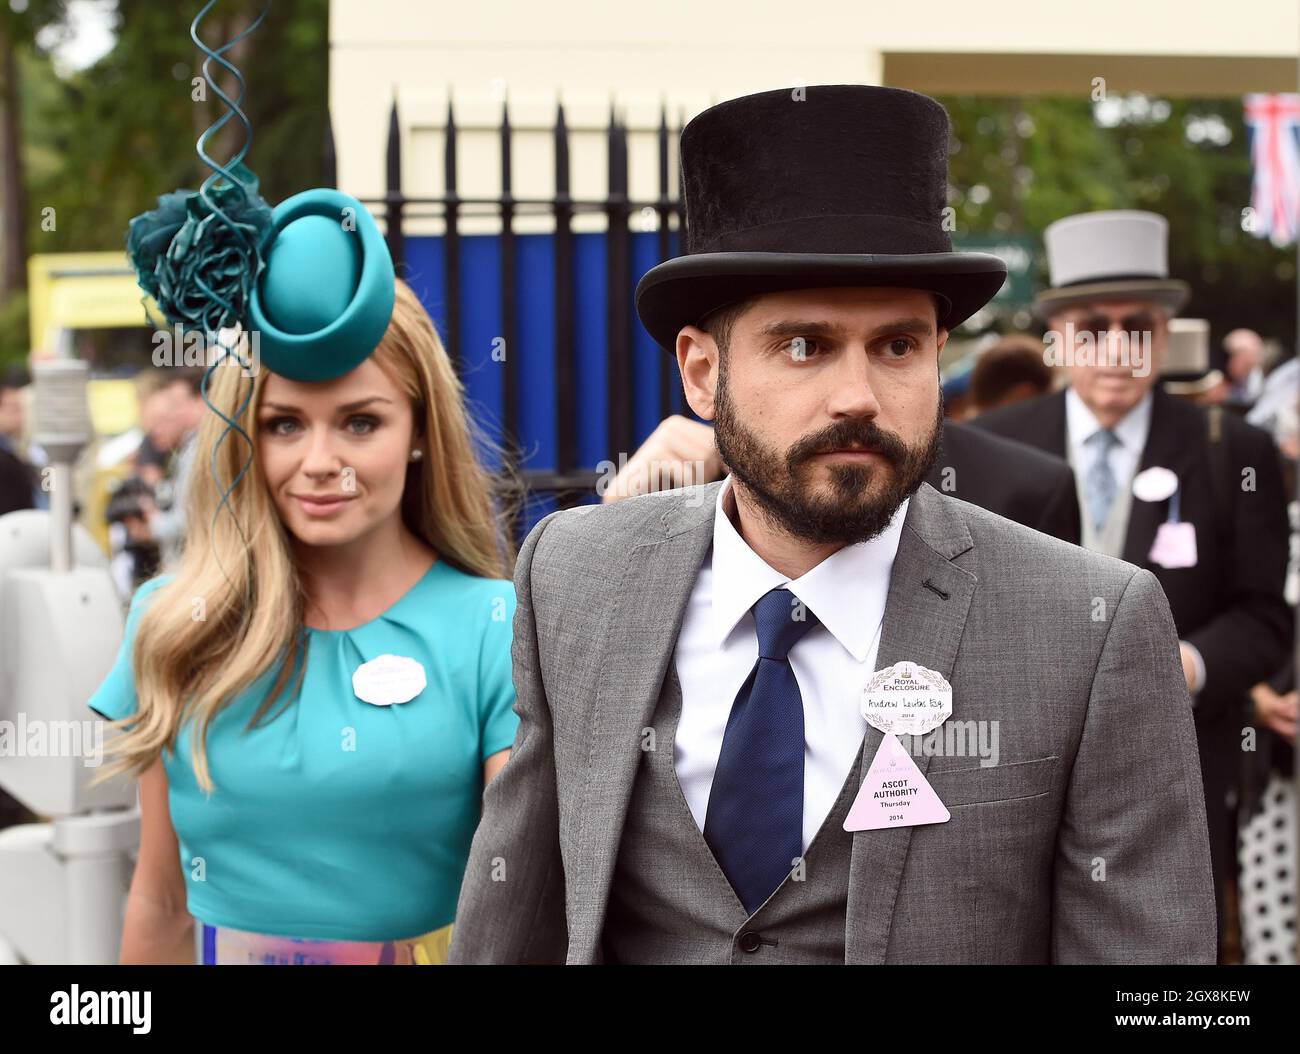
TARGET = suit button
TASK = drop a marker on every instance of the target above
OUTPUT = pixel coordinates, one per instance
(750, 941)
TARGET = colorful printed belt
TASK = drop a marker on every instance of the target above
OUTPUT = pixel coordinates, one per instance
(223, 946)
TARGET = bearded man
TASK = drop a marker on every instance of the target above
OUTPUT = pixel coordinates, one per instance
(715, 683)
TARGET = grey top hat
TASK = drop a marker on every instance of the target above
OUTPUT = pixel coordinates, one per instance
(1119, 255)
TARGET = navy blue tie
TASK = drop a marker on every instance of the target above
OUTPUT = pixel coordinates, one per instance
(754, 823)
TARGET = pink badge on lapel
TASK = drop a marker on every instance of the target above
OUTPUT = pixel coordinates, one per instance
(894, 794)
(1174, 546)
(903, 699)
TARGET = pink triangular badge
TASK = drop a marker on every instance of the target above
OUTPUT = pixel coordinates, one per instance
(894, 794)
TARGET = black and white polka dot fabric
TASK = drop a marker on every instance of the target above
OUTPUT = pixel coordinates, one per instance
(1267, 852)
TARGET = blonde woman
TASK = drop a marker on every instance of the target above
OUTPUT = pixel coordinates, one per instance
(316, 697)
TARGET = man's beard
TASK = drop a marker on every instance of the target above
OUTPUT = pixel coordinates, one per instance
(851, 513)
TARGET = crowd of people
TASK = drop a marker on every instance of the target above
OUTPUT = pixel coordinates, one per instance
(145, 514)
(660, 742)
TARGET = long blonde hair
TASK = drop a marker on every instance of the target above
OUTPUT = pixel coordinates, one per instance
(236, 605)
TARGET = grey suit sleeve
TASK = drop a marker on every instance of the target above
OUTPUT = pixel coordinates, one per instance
(511, 907)
(1132, 881)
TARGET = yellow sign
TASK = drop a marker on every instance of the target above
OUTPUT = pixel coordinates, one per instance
(113, 406)
(80, 291)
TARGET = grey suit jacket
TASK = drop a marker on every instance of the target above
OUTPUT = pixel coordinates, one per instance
(1085, 843)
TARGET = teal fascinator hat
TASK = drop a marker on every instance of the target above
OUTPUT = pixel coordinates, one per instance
(310, 284)
(325, 295)
(306, 289)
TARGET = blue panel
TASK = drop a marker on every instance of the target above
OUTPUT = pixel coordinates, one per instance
(534, 351)
(480, 327)
(426, 274)
(590, 330)
(647, 356)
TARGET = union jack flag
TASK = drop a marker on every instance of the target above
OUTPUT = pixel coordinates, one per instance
(1274, 123)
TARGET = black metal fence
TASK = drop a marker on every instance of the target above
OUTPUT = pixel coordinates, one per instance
(568, 483)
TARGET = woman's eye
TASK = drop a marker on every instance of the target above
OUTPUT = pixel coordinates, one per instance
(273, 425)
(367, 424)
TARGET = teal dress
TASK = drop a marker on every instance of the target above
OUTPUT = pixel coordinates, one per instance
(338, 819)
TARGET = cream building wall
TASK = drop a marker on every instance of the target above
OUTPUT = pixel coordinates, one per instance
(688, 54)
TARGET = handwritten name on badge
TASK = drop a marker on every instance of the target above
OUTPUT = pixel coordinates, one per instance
(906, 699)
(389, 679)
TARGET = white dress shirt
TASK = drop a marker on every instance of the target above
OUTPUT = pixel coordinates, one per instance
(718, 646)
(1131, 431)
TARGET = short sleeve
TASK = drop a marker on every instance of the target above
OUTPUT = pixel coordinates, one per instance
(497, 718)
(115, 697)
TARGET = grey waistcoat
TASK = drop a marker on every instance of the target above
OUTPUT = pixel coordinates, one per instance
(1110, 539)
(671, 903)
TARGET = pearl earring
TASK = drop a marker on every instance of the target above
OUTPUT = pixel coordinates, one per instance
(416, 454)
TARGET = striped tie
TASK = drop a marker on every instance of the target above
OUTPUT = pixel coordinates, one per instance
(1100, 485)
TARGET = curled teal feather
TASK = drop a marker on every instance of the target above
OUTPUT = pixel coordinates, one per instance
(199, 255)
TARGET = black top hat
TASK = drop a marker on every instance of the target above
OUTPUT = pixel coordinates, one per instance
(830, 185)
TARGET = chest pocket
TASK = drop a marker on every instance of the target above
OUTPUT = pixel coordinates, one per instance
(974, 785)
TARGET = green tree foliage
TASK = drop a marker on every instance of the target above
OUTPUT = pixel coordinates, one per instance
(102, 144)
(1019, 164)
(124, 129)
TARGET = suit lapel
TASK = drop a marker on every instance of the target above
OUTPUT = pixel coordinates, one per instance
(1053, 424)
(1170, 444)
(925, 615)
(656, 581)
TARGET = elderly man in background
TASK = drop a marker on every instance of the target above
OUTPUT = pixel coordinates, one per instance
(1194, 496)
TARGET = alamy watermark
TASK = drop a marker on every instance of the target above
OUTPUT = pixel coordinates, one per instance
(36, 738)
(178, 347)
(651, 477)
(973, 739)
(1069, 346)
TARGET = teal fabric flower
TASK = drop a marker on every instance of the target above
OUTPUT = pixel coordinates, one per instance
(200, 263)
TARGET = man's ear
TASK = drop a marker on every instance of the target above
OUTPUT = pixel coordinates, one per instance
(697, 361)
(942, 339)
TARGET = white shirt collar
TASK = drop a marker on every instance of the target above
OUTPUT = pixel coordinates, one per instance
(1131, 429)
(846, 591)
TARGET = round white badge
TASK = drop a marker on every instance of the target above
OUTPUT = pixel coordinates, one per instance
(389, 679)
(1154, 484)
(906, 699)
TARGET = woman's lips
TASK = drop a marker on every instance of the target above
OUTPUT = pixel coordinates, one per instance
(322, 505)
